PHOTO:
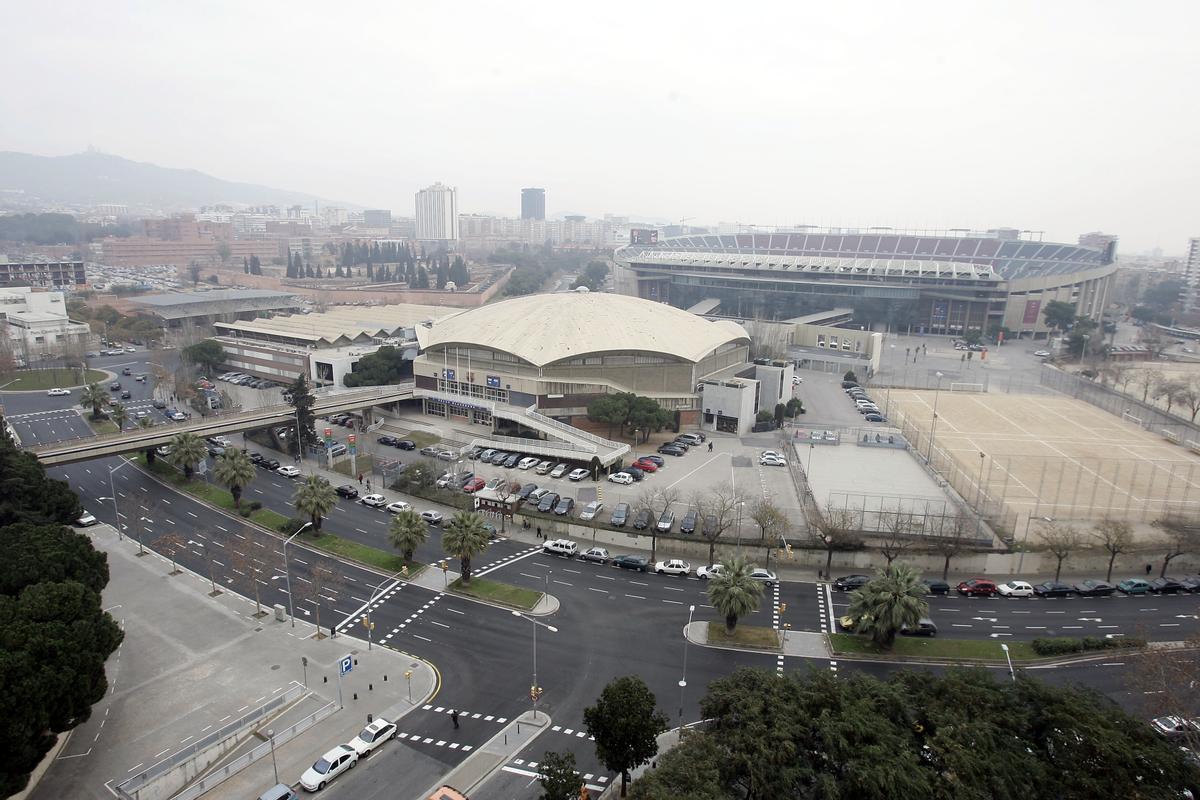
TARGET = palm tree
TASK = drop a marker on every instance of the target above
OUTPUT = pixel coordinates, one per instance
(119, 415)
(95, 396)
(734, 593)
(187, 450)
(407, 532)
(893, 599)
(235, 469)
(462, 538)
(315, 497)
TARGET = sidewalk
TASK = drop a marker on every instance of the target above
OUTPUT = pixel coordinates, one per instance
(489, 757)
(801, 644)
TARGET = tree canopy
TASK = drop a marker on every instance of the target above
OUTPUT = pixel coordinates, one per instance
(1058, 314)
(385, 366)
(625, 725)
(207, 354)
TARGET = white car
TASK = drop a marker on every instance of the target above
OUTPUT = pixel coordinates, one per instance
(372, 736)
(560, 547)
(544, 467)
(623, 478)
(527, 463)
(704, 573)
(772, 461)
(177, 416)
(85, 520)
(432, 517)
(770, 454)
(57, 392)
(591, 510)
(328, 767)
(398, 506)
(763, 576)
(288, 471)
(1015, 589)
(374, 500)
(578, 474)
(1042, 353)
(558, 471)
(675, 566)
(596, 554)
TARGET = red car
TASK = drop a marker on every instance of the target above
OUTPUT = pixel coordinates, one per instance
(976, 587)
(646, 466)
(473, 485)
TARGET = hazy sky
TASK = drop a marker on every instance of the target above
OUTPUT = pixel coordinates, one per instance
(1060, 116)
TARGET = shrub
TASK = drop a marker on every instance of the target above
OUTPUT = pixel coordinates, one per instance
(255, 505)
(292, 525)
(1065, 645)
(245, 512)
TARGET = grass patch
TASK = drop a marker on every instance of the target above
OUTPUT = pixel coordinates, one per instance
(211, 493)
(421, 438)
(744, 636)
(924, 646)
(365, 554)
(496, 592)
(101, 426)
(364, 463)
(34, 379)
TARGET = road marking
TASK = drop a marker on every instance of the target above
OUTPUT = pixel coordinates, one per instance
(674, 602)
(434, 622)
(422, 638)
(193, 516)
(601, 591)
(564, 583)
(635, 596)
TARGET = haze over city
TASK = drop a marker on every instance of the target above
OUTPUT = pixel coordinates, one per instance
(1067, 117)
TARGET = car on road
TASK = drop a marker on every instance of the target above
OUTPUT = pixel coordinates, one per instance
(848, 583)
(215, 450)
(432, 517)
(578, 474)
(688, 523)
(547, 503)
(269, 464)
(474, 485)
(390, 441)
(85, 520)
(772, 461)
(565, 506)
(1053, 589)
(57, 392)
(642, 520)
(1015, 589)
(559, 471)
(1090, 588)
(370, 737)
(115, 386)
(976, 587)
(620, 515)
(638, 563)
(289, 471)
(544, 467)
(1134, 586)
(406, 444)
(711, 571)
(674, 566)
(623, 478)
(328, 767)
(764, 576)
(374, 500)
(591, 510)
(666, 521)
(1166, 586)
(560, 547)
(160, 404)
(671, 450)
(936, 586)
(596, 554)
(925, 627)
(396, 506)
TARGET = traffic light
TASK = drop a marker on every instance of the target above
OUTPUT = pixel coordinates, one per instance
(782, 607)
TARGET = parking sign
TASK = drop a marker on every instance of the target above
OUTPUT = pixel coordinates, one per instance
(346, 665)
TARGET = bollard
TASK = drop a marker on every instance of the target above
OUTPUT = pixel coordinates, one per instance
(370, 718)
(506, 740)
(325, 679)
(356, 695)
(370, 687)
(385, 677)
(356, 662)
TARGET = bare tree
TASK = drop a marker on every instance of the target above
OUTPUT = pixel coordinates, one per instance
(1148, 379)
(950, 538)
(718, 509)
(771, 520)
(657, 501)
(1171, 391)
(319, 578)
(834, 528)
(210, 556)
(1189, 395)
(1180, 536)
(171, 544)
(1116, 537)
(1060, 540)
(896, 536)
(1117, 372)
(1163, 681)
(251, 566)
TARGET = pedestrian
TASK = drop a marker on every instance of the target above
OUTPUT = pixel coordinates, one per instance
(360, 479)
(454, 718)
(368, 484)
(710, 447)
(1149, 568)
(539, 531)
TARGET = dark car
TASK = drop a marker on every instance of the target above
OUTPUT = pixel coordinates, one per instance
(1053, 589)
(642, 520)
(925, 627)
(346, 490)
(1190, 583)
(688, 523)
(684, 444)
(658, 461)
(269, 464)
(526, 490)
(936, 586)
(849, 583)
(255, 458)
(620, 515)
(1091, 588)
(1166, 586)
(499, 458)
(512, 460)
(635, 472)
(565, 506)
(639, 563)
(390, 441)
(158, 403)
(671, 450)
(848, 384)
(406, 444)
(548, 502)
(127, 371)
(114, 386)
(978, 587)
(126, 395)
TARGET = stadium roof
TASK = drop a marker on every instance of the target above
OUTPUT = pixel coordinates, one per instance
(820, 264)
(544, 328)
(339, 325)
(179, 305)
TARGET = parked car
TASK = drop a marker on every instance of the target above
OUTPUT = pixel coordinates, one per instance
(978, 587)
(565, 506)
(406, 444)
(1134, 586)
(764, 576)
(559, 471)
(658, 461)
(637, 563)
(269, 464)
(671, 450)
(634, 473)
(849, 583)
(280, 791)
(328, 767)
(1015, 589)
(560, 547)
(474, 485)
(1166, 586)
(591, 510)
(289, 471)
(374, 501)
(1190, 583)
(509, 462)
(429, 450)
(711, 571)
(596, 554)
(527, 463)
(645, 465)
(666, 521)
(370, 737)
(1090, 588)
(432, 517)
(547, 503)
(160, 404)
(692, 438)
(620, 515)
(772, 461)
(688, 523)
(338, 449)
(544, 467)
(346, 490)
(1053, 589)
(674, 566)
(397, 506)
(623, 478)
(499, 457)
(936, 586)
(526, 490)
(875, 417)
(86, 520)
(390, 441)
(1175, 727)
(578, 474)
(642, 520)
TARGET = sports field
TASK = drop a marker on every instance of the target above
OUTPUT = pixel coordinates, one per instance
(1050, 456)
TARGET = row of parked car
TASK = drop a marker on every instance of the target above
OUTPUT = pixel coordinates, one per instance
(863, 402)
(983, 587)
(242, 379)
(673, 566)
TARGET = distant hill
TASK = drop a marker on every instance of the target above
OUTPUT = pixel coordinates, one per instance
(92, 178)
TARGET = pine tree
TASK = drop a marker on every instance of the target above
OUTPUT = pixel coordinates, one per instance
(442, 274)
(422, 279)
(308, 271)
(370, 272)
(291, 270)
(245, 265)
(338, 273)
(255, 265)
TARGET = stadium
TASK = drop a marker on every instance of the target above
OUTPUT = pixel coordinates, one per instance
(940, 282)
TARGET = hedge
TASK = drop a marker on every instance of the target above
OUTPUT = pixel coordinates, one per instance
(1065, 645)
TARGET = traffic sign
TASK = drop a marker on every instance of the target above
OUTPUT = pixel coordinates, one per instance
(346, 665)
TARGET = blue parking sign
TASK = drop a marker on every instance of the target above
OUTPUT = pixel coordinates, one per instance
(346, 665)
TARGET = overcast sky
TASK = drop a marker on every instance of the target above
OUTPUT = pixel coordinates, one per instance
(1064, 116)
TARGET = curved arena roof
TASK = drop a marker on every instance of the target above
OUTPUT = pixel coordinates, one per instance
(544, 328)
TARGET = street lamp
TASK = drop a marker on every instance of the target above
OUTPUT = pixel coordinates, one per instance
(274, 765)
(1008, 658)
(933, 424)
(374, 597)
(1083, 350)
(288, 572)
(683, 680)
(535, 691)
(979, 501)
(113, 488)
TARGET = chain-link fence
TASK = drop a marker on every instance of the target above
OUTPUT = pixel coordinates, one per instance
(1127, 407)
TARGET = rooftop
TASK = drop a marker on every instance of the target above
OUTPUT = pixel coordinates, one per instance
(338, 325)
(176, 299)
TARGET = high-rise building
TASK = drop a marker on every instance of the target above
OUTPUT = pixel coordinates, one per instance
(1191, 277)
(533, 204)
(437, 213)
(377, 218)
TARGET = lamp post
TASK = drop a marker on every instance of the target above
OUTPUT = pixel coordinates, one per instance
(112, 487)
(739, 527)
(288, 572)
(371, 602)
(274, 766)
(1008, 658)
(1083, 350)
(933, 424)
(683, 680)
(979, 501)
(535, 691)
(299, 439)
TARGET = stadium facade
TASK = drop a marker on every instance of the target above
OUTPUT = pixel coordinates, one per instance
(940, 282)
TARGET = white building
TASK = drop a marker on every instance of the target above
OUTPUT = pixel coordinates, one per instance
(437, 213)
(1191, 277)
(36, 323)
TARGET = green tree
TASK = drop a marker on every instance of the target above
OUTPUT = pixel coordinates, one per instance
(302, 401)
(850, 376)
(235, 470)
(187, 450)
(407, 532)
(194, 272)
(422, 281)
(625, 724)
(610, 408)
(734, 593)
(693, 772)
(383, 367)
(894, 598)
(207, 354)
(559, 777)
(463, 538)
(94, 396)
(119, 415)
(315, 497)
(646, 415)
(224, 251)
(1058, 314)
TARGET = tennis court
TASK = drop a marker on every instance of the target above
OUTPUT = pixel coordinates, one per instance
(1049, 456)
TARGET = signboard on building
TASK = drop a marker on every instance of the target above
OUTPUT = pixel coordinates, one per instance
(643, 236)
(1032, 309)
(493, 381)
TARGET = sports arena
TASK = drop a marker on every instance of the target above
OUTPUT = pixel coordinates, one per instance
(941, 282)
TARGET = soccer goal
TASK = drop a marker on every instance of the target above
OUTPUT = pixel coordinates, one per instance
(1131, 418)
(968, 387)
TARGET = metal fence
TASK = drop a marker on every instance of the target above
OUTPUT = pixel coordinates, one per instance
(909, 516)
(1151, 418)
(130, 787)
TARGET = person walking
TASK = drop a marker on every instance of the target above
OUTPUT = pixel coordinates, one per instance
(454, 717)
(360, 479)
(710, 447)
